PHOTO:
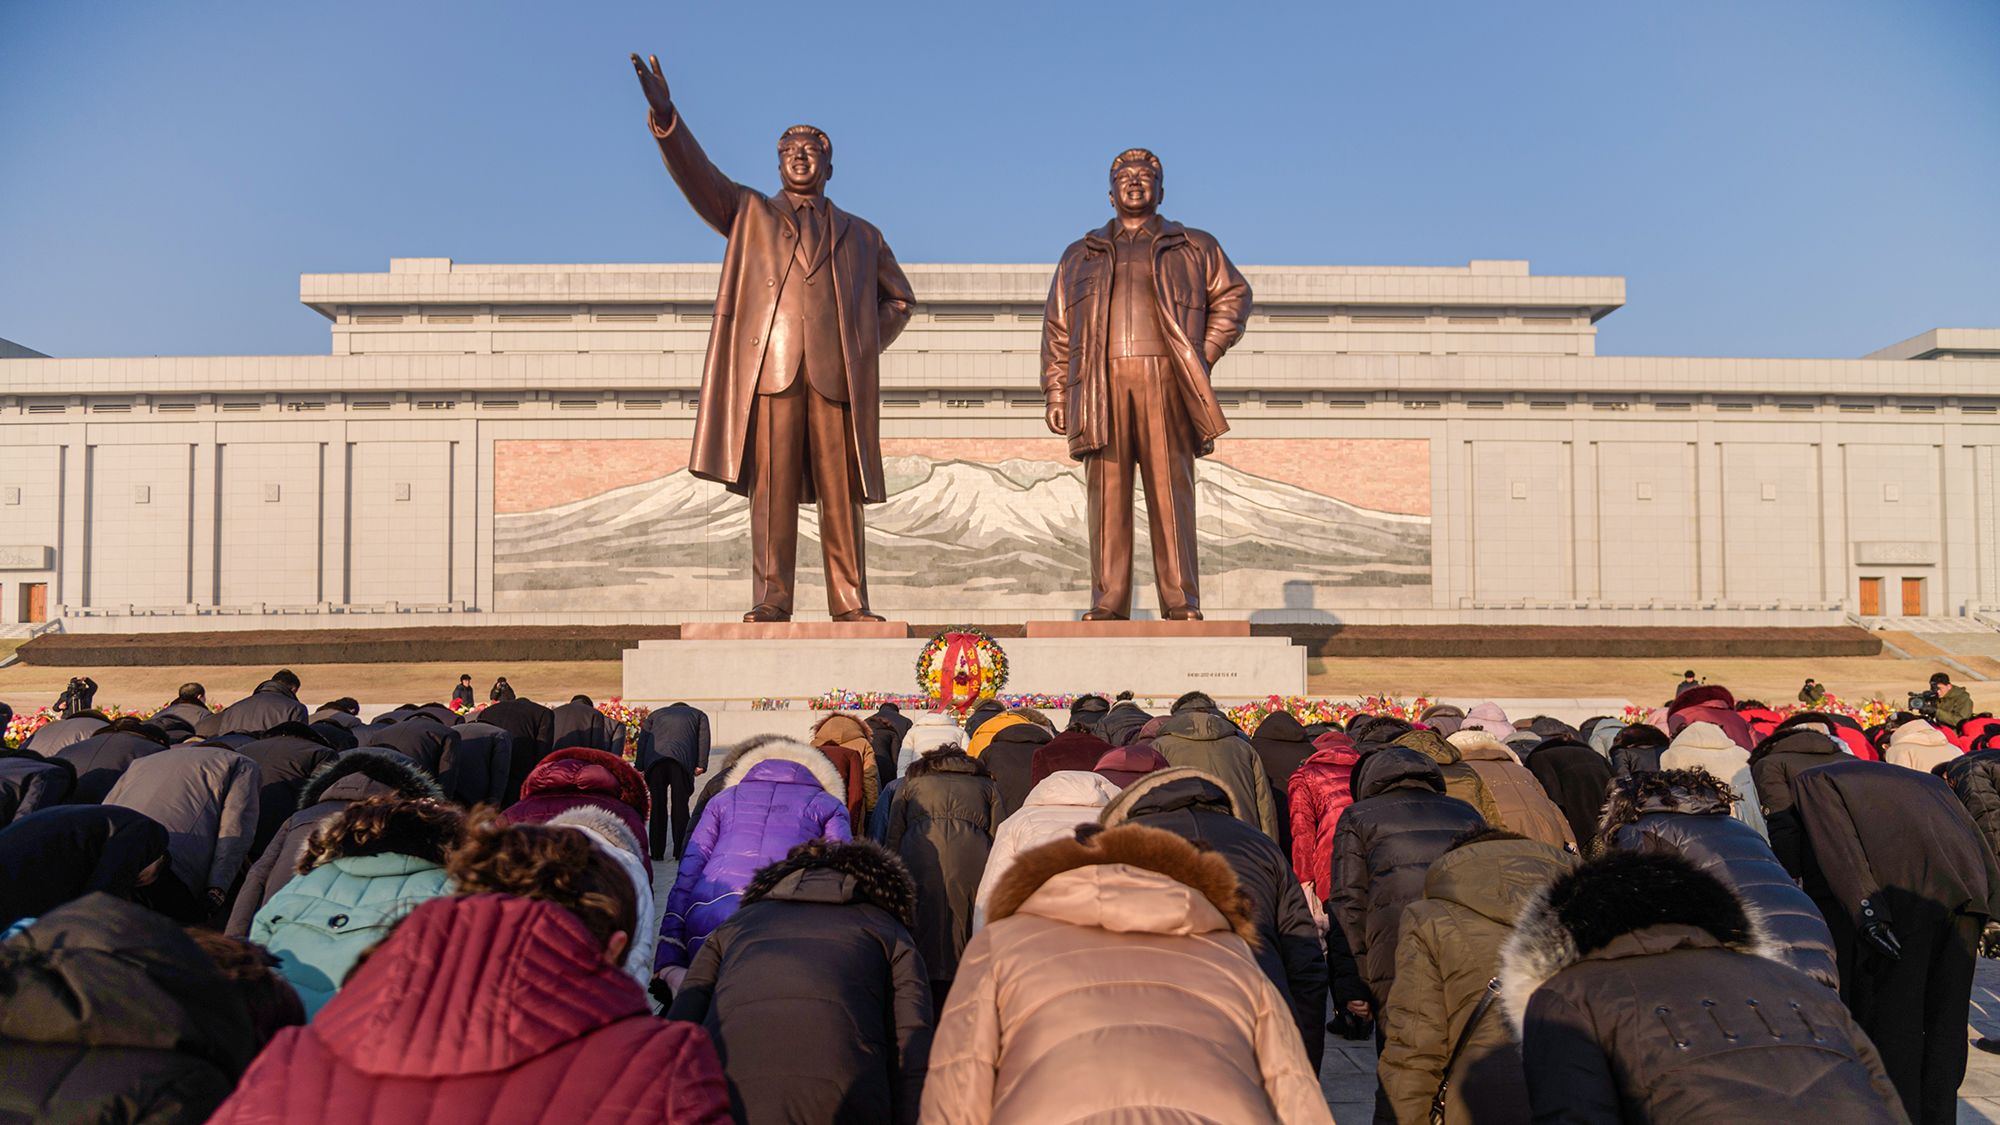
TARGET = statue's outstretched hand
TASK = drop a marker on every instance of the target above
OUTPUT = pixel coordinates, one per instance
(654, 84)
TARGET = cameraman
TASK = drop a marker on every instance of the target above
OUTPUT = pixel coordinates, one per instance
(1954, 703)
(77, 697)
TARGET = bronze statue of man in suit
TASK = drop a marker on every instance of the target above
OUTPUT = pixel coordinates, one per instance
(790, 391)
(1139, 311)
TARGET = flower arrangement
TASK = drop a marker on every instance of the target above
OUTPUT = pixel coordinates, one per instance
(847, 699)
(960, 666)
(628, 716)
(1337, 711)
(1870, 713)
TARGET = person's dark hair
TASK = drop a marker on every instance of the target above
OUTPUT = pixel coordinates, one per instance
(1122, 697)
(191, 692)
(1688, 675)
(465, 679)
(1940, 678)
(1194, 701)
(1642, 735)
(344, 703)
(421, 828)
(251, 972)
(133, 724)
(6, 716)
(558, 865)
(1089, 701)
(1481, 835)
(287, 677)
(1809, 681)
(1751, 705)
(583, 699)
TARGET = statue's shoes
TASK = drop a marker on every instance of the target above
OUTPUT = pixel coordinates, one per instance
(1103, 615)
(858, 615)
(1183, 614)
(767, 613)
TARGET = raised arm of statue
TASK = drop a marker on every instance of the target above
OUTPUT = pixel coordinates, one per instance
(714, 196)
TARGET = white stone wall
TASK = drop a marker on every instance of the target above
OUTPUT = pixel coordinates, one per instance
(369, 486)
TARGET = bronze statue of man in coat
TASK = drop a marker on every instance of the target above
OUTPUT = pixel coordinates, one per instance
(790, 391)
(1138, 313)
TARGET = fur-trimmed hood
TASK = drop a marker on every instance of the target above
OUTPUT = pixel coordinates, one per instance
(1073, 788)
(1476, 745)
(827, 871)
(1126, 879)
(842, 729)
(388, 771)
(1431, 745)
(1695, 792)
(1624, 904)
(1190, 787)
(611, 835)
(776, 748)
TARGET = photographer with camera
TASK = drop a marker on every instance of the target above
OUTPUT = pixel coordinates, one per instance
(77, 697)
(1945, 704)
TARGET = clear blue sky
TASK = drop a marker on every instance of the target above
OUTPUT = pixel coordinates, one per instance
(1776, 177)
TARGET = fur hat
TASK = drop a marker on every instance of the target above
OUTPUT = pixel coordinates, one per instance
(1693, 792)
(384, 767)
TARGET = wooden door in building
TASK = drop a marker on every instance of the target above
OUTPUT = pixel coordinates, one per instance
(1913, 597)
(34, 602)
(1871, 597)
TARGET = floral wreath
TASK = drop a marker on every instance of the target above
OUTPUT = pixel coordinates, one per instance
(960, 666)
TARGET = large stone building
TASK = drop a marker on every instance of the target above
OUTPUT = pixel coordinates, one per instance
(508, 444)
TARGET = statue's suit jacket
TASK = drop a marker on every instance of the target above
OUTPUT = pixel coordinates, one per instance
(872, 295)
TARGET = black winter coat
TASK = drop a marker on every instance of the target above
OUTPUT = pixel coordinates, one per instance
(1721, 845)
(353, 776)
(190, 714)
(1889, 844)
(1195, 807)
(1627, 760)
(1121, 725)
(977, 718)
(580, 724)
(678, 733)
(60, 854)
(431, 745)
(1975, 779)
(815, 994)
(101, 759)
(29, 782)
(484, 754)
(1283, 747)
(113, 1014)
(1010, 758)
(941, 825)
(272, 704)
(1773, 765)
(533, 728)
(1652, 1004)
(285, 762)
(1575, 778)
(1399, 824)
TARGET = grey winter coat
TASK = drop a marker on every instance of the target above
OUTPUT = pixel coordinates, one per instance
(206, 797)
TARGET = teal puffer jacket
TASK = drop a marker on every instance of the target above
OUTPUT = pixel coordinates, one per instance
(320, 923)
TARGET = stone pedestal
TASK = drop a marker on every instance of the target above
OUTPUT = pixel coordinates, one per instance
(794, 630)
(1232, 667)
(1106, 629)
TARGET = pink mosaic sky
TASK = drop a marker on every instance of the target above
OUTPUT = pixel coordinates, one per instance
(1384, 474)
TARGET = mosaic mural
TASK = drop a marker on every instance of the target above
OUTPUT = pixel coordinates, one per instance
(1284, 524)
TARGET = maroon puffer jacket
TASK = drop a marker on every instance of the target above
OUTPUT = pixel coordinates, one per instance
(485, 1009)
(1710, 703)
(582, 776)
(1320, 790)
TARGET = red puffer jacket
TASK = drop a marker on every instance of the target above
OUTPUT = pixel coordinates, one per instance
(578, 776)
(1320, 789)
(485, 1009)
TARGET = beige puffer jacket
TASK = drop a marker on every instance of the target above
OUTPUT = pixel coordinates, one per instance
(1919, 746)
(1524, 805)
(1115, 982)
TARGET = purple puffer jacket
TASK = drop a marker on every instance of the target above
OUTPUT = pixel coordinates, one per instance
(774, 799)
